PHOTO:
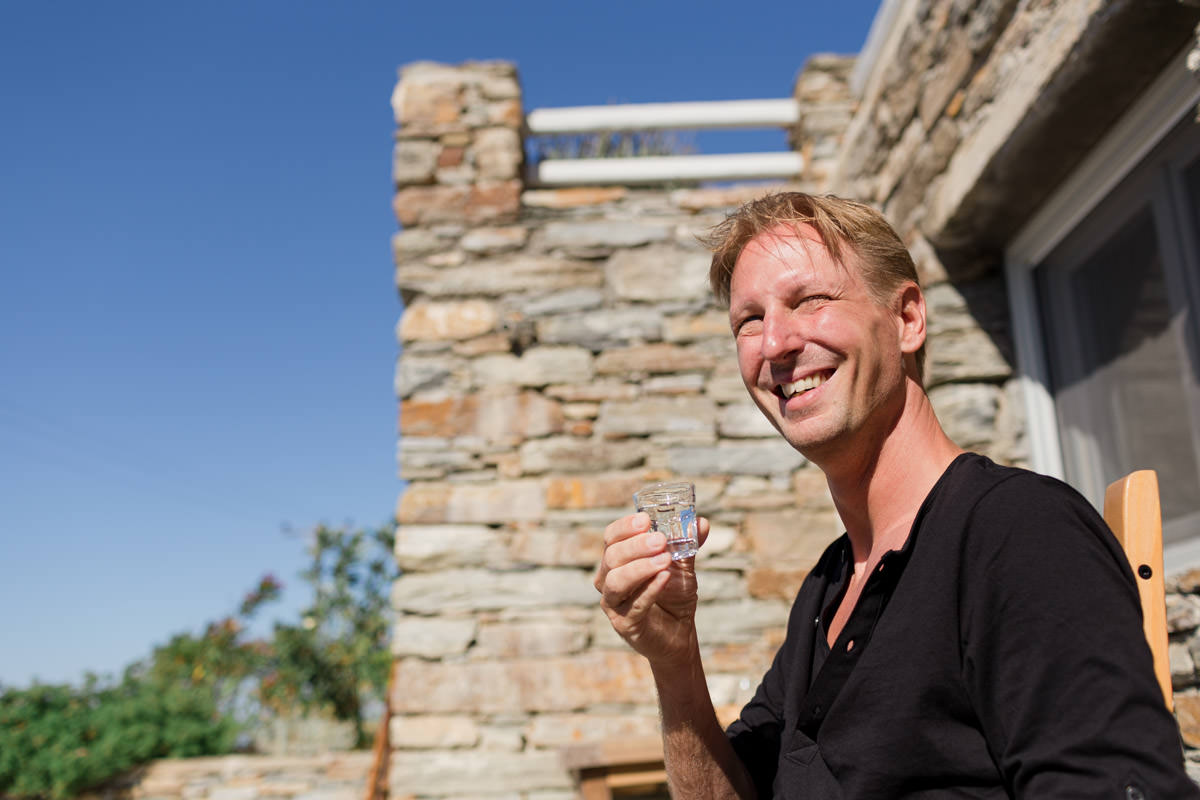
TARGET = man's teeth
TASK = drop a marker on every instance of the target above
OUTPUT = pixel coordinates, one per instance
(803, 385)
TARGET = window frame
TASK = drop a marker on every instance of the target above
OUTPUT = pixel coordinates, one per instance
(1172, 96)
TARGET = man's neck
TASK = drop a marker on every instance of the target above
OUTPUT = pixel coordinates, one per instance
(879, 490)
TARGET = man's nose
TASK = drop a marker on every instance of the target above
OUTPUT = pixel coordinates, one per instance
(781, 337)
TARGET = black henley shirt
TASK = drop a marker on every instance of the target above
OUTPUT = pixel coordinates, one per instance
(998, 654)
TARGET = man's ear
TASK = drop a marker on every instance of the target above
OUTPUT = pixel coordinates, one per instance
(910, 304)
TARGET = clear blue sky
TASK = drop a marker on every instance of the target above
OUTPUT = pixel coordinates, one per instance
(196, 307)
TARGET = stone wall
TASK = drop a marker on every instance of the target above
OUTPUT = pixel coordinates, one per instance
(560, 349)
(974, 111)
(331, 776)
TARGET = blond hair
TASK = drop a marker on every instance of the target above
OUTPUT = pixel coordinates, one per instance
(882, 259)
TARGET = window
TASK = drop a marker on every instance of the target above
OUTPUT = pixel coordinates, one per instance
(1105, 286)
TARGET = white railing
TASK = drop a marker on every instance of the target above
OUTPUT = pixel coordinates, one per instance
(665, 116)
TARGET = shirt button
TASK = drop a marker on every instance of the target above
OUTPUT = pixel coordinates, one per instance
(1133, 792)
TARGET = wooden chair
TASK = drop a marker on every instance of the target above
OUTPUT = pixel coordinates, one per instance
(1132, 510)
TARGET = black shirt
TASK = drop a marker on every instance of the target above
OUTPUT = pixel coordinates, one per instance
(998, 654)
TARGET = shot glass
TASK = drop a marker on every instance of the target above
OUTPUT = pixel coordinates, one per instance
(672, 510)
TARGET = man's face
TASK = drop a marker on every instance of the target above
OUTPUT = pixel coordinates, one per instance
(818, 354)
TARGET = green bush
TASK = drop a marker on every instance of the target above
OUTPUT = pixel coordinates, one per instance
(56, 741)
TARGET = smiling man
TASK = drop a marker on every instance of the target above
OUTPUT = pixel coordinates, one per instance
(975, 633)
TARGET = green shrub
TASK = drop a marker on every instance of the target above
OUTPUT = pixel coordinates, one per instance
(56, 741)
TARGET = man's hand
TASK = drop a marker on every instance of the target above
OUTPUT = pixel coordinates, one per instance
(649, 599)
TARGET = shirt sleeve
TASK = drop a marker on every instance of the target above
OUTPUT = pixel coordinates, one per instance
(1054, 657)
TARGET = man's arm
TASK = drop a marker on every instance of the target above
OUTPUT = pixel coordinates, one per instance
(1054, 656)
(651, 602)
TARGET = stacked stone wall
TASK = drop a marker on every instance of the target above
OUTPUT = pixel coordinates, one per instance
(328, 776)
(560, 348)
(973, 113)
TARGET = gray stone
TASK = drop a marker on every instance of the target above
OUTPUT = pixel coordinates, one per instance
(744, 421)
(657, 274)
(1183, 613)
(530, 639)
(1183, 668)
(476, 590)
(536, 367)
(424, 548)
(967, 412)
(489, 241)
(431, 637)
(415, 242)
(764, 457)
(593, 239)
(431, 731)
(457, 772)
(414, 375)
(568, 454)
(499, 276)
(657, 415)
(561, 302)
(598, 330)
(414, 161)
(738, 621)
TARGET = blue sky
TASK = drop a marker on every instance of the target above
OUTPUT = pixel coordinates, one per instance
(196, 308)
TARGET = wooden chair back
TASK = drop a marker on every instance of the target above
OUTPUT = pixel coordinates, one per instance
(1131, 509)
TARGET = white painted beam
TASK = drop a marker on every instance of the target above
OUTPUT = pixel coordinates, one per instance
(662, 169)
(663, 116)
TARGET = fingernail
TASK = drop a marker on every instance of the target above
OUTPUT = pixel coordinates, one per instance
(662, 559)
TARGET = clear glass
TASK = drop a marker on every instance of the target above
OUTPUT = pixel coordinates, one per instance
(672, 510)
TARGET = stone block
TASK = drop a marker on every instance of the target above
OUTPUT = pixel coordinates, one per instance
(568, 454)
(489, 241)
(414, 161)
(496, 503)
(504, 418)
(658, 273)
(432, 731)
(601, 329)
(593, 491)
(754, 457)
(595, 391)
(595, 239)
(792, 538)
(428, 100)
(561, 730)
(1182, 666)
(744, 421)
(947, 76)
(575, 197)
(425, 548)
(536, 367)
(753, 492)
(497, 201)
(476, 773)
(456, 591)
(766, 583)
(675, 384)
(1187, 712)
(427, 320)
(660, 357)
(690, 327)
(564, 683)
(498, 153)
(577, 547)
(739, 621)
(968, 412)
(563, 302)
(420, 374)
(436, 637)
(529, 639)
(501, 276)
(969, 355)
(657, 415)
(415, 243)
(1183, 613)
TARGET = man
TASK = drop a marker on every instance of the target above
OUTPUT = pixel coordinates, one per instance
(975, 633)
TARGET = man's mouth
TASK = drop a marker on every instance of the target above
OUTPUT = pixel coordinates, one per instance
(807, 383)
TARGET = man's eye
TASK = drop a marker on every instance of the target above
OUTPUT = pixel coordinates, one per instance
(748, 326)
(815, 299)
